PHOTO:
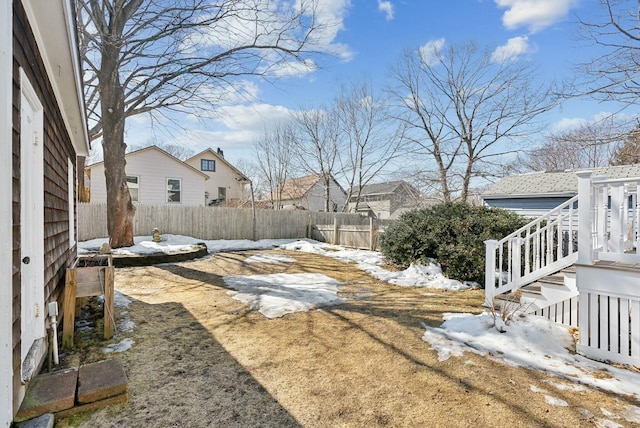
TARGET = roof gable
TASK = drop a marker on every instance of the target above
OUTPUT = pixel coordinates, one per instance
(388, 187)
(220, 158)
(296, 188)
(141, 152)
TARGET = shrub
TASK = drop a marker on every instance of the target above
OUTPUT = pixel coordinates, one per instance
(452, 233)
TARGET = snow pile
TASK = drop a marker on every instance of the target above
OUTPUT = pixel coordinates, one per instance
(529, 341)
(171, 244)
(372, 262)
(278, 294)
(270, 258)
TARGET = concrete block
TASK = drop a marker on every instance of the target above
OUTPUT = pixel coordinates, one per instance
(101, 380)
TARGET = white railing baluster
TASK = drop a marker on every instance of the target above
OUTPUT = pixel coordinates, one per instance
(539, 256)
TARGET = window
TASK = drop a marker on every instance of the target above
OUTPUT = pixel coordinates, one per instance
(174, 185)
(134, 187)
(207, 165)
(222, 193)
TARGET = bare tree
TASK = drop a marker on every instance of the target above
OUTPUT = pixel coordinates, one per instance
(587, 146)
(274, 154)
(465, 111)
(614, 75)
(629, 151)
(177, 151)
(317, 145)
(368, 136)
(166, 55)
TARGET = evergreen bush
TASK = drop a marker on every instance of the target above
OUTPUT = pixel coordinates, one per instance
(452, 233)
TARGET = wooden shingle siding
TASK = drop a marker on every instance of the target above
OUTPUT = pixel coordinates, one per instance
(57, 149)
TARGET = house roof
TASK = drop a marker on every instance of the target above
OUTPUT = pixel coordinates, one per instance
(158, 149)
(222, 159)
(55, 32)
(296, 188)
(382, 188)
(552, 183)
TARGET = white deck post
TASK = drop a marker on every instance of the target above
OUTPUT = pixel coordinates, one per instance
(584, 218)
(490, 271)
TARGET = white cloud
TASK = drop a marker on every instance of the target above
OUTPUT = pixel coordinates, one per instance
(512, 50)
(430, 51)
(534, 14)
(254, 117)
(269, 22)
(294, 68)
(387, 8)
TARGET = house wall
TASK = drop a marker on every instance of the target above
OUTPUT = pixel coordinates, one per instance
(6, 286)
(528, 207)
(153, 169)
(314, 200)
(57, 150)
(223, 176)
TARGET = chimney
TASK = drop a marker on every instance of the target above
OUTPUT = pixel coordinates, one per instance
(220, 152)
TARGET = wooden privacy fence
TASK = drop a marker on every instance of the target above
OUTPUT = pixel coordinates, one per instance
(209, 223)
(349, 235)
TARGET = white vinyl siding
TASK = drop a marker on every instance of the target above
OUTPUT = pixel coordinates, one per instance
(224, 176)
(153, 168)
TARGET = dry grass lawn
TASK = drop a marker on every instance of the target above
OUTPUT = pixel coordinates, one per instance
(203, 359)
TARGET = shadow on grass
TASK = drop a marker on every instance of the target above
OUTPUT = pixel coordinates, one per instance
(180, 375)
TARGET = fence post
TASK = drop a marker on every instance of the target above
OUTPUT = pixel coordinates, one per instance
(490, 271)
(371, 240)
(584, 218)
(335, 230)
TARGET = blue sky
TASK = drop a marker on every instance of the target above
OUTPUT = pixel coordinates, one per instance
(370, 35)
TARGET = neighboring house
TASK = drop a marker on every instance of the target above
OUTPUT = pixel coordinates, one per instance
(577, 264)
(225, 182)
(154, 177)
(534, 193)
(385, 200)
(43, 130)
(309, 193)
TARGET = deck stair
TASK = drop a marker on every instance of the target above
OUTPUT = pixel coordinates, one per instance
(553, 296)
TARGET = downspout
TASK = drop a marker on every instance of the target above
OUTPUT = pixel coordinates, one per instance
(53, 313)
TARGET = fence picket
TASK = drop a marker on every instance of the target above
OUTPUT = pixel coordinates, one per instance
(209, 223)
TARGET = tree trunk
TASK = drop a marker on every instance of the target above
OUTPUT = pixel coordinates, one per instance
(120, 209)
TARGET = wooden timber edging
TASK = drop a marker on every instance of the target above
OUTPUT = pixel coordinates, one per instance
(197, 251)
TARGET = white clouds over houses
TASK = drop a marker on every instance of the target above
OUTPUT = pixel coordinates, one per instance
(534, 14)
(386, 7)
(430, 52)
(512, 50)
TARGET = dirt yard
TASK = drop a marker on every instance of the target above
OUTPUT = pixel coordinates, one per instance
(203, 359)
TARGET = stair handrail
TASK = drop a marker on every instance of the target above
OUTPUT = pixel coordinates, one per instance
(532, 244)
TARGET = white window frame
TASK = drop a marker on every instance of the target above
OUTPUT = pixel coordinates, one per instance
(137, 187)
(71, 186)
(179, 191)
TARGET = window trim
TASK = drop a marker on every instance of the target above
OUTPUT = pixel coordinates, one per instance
(206, 163)
(179, 180)
(137, 177)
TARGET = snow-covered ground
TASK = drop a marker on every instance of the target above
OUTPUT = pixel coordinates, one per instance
(528, 341)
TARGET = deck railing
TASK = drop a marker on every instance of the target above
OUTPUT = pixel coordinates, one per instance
(609, 207)
(545, 245)
(612, 209)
